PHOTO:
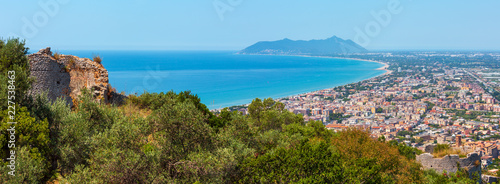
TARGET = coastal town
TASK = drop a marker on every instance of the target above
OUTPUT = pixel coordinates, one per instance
(434, 103)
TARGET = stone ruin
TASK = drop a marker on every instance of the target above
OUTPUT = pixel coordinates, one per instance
(64, 76)
(449, 163)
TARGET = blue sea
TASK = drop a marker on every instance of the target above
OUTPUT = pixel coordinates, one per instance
(223, 78)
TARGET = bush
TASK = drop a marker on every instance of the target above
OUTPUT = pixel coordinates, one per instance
(442, 150)
(77, 129)
(71, 63)
(101, 144)
(441, 147)
(154, 101)
(30, 168)
(97, 58)
(268, 114)
(367, 160)
(117, 155)
(30, 133)
(57, 55)
(461, 176)
(308, 162)
(407, 151)
(13, 58)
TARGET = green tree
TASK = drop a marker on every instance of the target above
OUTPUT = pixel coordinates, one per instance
(30, 168)
(180, 131)
(268, 114)
(41, 108)
(77, 129)
(120, 155)
(318, 162)
(366, 160)
(13, 58)
(29, 133)
(219, 121)
(407, 151)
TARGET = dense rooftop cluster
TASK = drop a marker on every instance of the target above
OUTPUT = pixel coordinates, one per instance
(428, 99)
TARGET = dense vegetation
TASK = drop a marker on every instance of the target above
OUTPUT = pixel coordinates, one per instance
(173, 138)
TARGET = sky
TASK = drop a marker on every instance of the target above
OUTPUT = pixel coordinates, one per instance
(236, 24)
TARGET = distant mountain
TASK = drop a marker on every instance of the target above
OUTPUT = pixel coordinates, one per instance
(330, 46)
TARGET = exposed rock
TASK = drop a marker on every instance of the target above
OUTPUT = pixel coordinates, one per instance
(45, 51)
(65, 76)
(429, 148)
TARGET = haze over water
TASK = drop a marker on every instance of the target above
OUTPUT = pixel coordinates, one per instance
(222, 78)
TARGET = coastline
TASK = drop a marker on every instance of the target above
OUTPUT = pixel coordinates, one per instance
(387, 72)
(373, 61)
(366, 60)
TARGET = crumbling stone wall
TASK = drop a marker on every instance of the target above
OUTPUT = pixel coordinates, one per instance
(65, 76)
(429, 148)
(472, 163)
(50, 76)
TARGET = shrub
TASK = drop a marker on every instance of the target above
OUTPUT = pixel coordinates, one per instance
(441, 147)
(97, 59)
(30, 167)
(67, 68)
(446, 150)
(77, 129)
(367, 160)
(317, 161)
(267, 114)
(34, 136)
(407, 151)
(57, 55)
(71, 63)
(29, 131)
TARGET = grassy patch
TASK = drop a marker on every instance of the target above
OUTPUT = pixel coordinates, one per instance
(447, 151)
(72, 63)
(57, 55)
(97, 59)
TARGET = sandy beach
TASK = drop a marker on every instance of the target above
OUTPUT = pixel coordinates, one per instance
(381, 68)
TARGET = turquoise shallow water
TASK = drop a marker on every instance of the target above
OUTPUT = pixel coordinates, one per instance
(222, 78)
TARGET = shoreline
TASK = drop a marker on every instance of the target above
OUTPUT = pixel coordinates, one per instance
(385, 67)
(373, 61)
(365, 60)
